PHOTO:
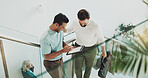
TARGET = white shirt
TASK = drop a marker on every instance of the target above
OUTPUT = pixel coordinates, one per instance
(89, 35)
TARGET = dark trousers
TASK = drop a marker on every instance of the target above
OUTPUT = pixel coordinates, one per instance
(54, 68)
(87, 56)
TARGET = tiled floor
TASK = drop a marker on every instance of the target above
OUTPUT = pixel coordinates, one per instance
(94, 74)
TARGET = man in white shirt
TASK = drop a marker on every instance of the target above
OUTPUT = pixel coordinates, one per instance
(88, 34)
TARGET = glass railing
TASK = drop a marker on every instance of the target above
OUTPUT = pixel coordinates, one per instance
(16, 53)
(131, 52)
(17, 35)
(18, 47)
(128, 55)
(127, 60)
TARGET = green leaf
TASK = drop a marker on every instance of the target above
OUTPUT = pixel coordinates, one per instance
(145, 68)
(138, 43)
(128, 64)
(143, 41)
(140, 63)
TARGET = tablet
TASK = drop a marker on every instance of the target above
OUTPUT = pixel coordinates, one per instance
(76, 50)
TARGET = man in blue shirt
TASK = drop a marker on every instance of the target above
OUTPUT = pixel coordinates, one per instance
(53, 46)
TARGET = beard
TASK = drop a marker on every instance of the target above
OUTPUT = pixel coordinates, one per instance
(83, 26)
(57, 30)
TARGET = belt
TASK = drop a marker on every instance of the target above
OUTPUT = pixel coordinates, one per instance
(77, 45)
(54, 60)
(91, 46)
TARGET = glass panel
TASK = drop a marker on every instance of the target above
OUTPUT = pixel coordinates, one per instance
(126, 61)
(11, 33)
(130, 52)
(129, 56)
(16, 53)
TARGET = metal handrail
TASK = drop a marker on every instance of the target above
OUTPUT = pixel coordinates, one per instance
(69, 33)
(28, 43)
(31, 44)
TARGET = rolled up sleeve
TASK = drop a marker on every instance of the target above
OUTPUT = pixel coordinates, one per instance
(100, 36)
(46, 47)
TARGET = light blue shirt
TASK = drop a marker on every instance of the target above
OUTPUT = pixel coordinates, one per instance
(52, 41)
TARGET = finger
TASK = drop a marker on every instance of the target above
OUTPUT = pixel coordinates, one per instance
(74, 47)
(102, 56)
(69, 48)
(105, 55)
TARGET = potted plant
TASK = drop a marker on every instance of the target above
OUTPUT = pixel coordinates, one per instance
(132, 58)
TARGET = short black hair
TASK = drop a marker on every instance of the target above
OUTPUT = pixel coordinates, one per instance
(60, 18)
(83, 14)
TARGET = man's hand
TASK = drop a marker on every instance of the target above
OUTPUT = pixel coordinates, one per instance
(67, 48)
(65, 30)
(103, 52)
(103, 55)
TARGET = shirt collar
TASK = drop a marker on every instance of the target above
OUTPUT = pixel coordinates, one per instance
(51, 31)
(86, 25)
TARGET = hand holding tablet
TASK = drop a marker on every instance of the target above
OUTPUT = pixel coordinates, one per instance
(76, 50)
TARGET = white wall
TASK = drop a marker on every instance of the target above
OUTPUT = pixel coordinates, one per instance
(16, 53)
(29, 17)
(34, 16)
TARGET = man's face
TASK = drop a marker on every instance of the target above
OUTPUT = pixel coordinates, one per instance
(61, 27)
(83, 23)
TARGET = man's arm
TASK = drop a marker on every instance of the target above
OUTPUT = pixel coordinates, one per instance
(55, 54)
(100, 37)
(64, 44)
(52, 55)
